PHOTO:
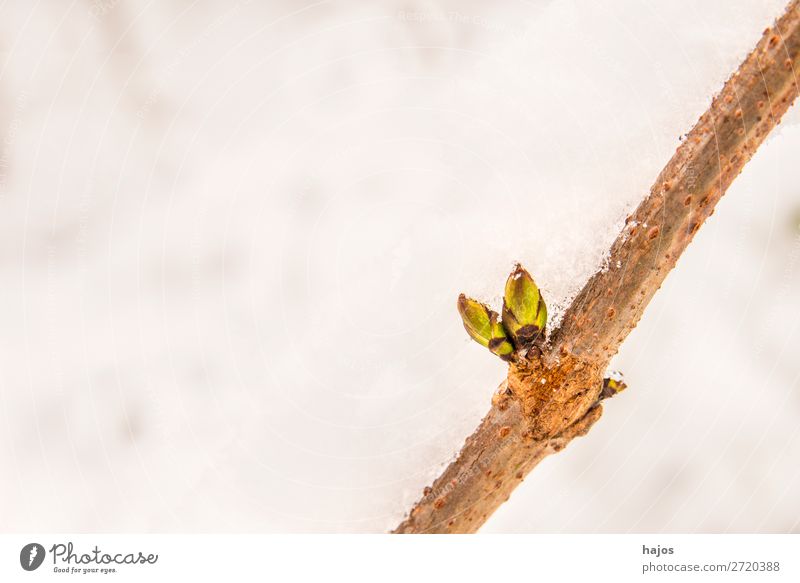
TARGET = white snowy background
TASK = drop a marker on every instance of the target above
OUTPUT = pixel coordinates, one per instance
(232, 235)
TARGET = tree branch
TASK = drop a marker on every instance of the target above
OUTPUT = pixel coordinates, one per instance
(549, 399)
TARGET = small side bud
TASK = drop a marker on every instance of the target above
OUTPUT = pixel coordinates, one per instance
(484, 327)
(524, 310)
(612, 385)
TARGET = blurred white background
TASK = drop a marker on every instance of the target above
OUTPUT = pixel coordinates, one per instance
(232, 235)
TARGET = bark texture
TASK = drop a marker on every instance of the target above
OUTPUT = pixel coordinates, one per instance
(549, 400)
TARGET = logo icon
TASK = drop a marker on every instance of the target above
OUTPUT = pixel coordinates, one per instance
(31, 556)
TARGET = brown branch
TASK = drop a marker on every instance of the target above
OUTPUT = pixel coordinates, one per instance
(548, 400)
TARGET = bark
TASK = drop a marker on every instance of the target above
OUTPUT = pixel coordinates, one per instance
(552, 398)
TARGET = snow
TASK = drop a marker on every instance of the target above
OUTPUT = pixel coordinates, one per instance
(232, 237)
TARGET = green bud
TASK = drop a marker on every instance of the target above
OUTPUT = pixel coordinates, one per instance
(483, 327)
(476, 319)
(524, 311)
